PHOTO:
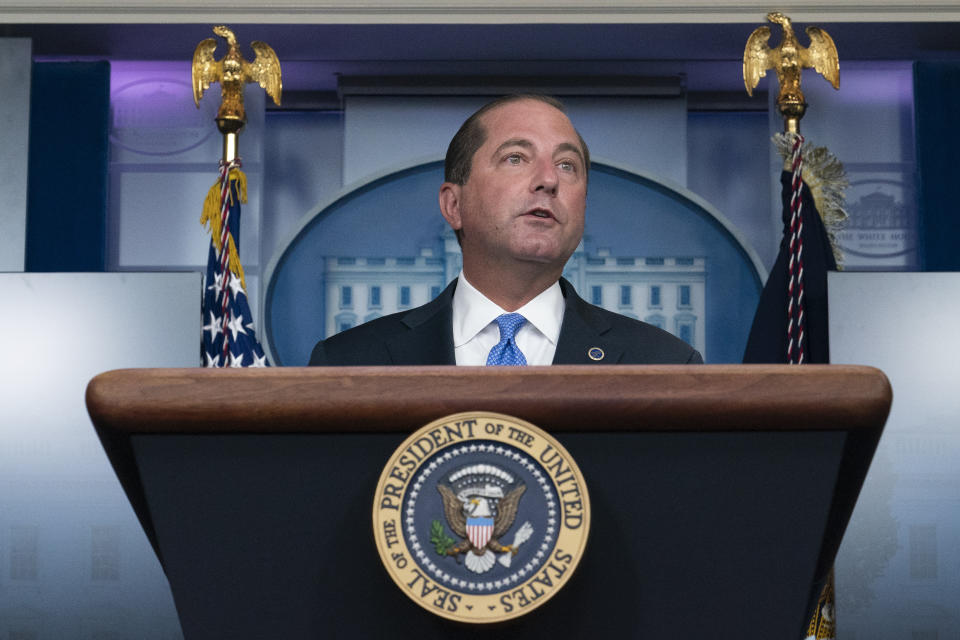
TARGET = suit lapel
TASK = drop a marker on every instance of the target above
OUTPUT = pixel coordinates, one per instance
(582, 332)
(429, 339)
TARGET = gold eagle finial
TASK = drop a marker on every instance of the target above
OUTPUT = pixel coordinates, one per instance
(232, 72)
(789, 59)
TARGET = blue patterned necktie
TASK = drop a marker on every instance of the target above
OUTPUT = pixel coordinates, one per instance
(506, 351)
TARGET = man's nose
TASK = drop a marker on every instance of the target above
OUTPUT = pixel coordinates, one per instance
(545, 177)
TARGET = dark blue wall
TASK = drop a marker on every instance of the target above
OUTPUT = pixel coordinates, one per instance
(936, 93)
(67, 180)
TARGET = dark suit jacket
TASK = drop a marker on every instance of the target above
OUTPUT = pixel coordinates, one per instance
(424, 336)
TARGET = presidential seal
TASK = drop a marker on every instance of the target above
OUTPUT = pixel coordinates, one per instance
(480, 517)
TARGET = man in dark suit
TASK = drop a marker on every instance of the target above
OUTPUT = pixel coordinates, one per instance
(515, 194)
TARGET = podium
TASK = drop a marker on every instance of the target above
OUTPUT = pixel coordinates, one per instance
(719, 494)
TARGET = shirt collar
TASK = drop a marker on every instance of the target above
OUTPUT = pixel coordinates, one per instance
(472, 311)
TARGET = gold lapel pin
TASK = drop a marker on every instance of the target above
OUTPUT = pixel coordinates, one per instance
(595, 353)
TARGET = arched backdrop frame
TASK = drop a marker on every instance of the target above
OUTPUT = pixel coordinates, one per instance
(630, 215)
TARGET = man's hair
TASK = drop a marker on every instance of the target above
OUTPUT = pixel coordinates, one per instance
(472, 135)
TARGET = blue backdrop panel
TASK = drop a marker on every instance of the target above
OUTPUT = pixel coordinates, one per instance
(397, 215)
(67, 182)
(637, 216)
(936, 84)
(394, 215)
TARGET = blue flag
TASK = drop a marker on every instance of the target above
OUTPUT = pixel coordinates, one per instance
(770, 338)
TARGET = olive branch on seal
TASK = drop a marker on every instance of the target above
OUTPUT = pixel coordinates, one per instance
(439, 538)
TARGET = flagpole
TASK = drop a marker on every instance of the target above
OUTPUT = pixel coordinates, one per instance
(231, 141)
(789, 59)
(229, 337)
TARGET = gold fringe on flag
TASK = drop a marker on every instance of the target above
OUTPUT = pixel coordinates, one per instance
(823, 624)
(211, 217)
(827, 180)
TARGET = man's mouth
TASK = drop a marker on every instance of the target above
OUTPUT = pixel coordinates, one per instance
(540, 213)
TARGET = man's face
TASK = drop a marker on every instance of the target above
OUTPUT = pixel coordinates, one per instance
(525, 197)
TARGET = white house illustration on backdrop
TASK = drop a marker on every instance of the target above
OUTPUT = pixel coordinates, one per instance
(667, 292)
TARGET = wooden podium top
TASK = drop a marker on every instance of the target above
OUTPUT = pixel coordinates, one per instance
(618, 398)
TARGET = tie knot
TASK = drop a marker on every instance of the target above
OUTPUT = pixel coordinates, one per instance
(506, 351)
(509, 323)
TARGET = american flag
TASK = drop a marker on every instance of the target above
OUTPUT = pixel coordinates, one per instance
(229, 339)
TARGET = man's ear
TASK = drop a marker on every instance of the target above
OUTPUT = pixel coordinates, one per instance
(450, 204)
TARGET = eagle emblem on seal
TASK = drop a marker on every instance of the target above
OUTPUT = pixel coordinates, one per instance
(480, 503)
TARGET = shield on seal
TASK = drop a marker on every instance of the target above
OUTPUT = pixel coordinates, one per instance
(479, 530)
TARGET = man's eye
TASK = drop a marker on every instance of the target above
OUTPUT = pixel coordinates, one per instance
(514, 158)
(566, 165)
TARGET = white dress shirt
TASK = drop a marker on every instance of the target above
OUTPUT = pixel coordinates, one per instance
(475, 330)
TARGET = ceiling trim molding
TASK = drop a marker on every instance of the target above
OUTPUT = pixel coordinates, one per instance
(468, 11)
(470, 85)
